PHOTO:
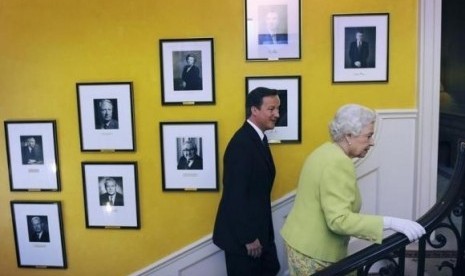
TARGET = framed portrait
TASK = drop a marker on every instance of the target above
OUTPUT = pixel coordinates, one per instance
(287, 129)
(111, 194)
(360, 47)
(272, 29)
(38, 230)
(187, 71)
(32, 153)
(189, 156)
(106, 116)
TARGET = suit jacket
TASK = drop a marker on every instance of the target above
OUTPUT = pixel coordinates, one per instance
(113, 124)
(45, 237)
(358, 54)
(325, 212)
(105, 198)
(35, 154)
(244, 212)
(196, 165)
(192, 78)
(267, 39)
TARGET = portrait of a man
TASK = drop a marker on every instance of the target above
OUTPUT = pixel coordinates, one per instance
(111, 191)
(38, 228)
(31, 150)
(189, 152)
(361, 47)
(272, 25)
(106, 113)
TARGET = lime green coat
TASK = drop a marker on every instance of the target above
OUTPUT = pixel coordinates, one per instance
(325, 212)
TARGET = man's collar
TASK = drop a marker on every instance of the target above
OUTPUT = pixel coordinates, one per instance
(259, 131)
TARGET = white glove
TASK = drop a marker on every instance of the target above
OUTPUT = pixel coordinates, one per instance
(411, 229)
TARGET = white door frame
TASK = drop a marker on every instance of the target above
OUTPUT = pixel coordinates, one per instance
(429, 46)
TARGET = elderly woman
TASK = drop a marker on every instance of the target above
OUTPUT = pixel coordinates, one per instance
(326, 209)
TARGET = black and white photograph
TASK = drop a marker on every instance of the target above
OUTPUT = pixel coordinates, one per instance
(38, 231)
(106, 116)
(187, 71)
(38, 228)
(189, 153)
(288, 127)
(32, 153)
(31, 149)
(106, 113)
(272, 29)
(111, 194)
(189, 156)
(360, 47)
(111, 190)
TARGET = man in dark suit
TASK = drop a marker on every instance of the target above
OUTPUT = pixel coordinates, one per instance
(190, 160)
(244, 226)
(39, 231)
(31, 152)
(274, 33)
(106, 120)
(358, 51)
(111, 197)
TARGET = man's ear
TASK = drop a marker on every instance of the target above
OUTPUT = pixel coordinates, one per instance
(253, 109)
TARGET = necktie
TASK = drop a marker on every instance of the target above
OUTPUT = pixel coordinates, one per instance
(267, 147)
(111, 200)
(265, 142)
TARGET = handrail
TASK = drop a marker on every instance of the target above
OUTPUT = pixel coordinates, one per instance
(397, 241)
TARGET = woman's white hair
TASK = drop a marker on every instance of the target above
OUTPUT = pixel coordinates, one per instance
(350, 119)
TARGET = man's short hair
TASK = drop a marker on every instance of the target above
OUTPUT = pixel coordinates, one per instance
(189, 142)
(255, 98)
(100, 103)
(108, 179)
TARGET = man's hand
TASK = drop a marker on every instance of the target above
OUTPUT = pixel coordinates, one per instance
(254, 249)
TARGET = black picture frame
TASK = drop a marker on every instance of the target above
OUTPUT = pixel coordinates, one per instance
(272, 30)
(189, 153)
(38, 231)
(187, 71)
(364, 61)
(288, 127)
(106, 116)
(100, 179)
(32, 153)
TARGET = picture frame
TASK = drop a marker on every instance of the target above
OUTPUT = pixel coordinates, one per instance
(288, 127)
(272, 30)
(189, 153)
(106, 116)
(32, 153)
(111, 197)
(38, 231)
(187, 71)
(360, 47)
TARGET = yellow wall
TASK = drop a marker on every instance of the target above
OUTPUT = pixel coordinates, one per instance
(46, 46)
